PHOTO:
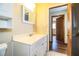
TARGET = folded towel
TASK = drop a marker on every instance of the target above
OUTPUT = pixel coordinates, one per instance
(3, 45)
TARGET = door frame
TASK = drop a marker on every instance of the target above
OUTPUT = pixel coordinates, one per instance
(69, 35)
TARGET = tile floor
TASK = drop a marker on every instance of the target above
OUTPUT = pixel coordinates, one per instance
(53, 53)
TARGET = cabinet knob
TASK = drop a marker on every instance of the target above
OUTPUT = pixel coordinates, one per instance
(35, 55)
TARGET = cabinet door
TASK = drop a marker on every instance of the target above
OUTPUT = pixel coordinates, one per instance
(9, 49)
(39, 48)
(45, 48)
(20, 49)
(42, 49)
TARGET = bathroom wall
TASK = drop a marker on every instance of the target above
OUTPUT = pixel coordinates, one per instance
(19, 27)
(42, 16)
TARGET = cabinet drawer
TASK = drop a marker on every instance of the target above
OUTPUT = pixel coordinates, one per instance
(41, 51)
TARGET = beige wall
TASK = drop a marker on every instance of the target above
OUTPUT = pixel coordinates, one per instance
(42, 16)
(18, 26)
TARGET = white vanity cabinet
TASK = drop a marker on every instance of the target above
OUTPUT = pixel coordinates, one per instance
(20, 49)
(39, 48)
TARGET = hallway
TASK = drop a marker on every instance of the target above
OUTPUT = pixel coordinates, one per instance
(58, 46)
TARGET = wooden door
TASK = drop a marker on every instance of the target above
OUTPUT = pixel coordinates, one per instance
(60, 28)
(75, 30)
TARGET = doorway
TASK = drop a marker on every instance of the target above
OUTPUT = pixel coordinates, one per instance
(58, 29)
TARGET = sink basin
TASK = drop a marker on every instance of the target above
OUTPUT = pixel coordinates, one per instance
(28, 39)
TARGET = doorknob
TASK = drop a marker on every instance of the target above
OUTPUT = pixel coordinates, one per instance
(68, 35)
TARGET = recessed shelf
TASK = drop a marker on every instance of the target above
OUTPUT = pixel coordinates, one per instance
(5, 22)
(4, 18)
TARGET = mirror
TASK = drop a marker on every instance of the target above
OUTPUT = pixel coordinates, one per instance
(25, 15)
(28, 16)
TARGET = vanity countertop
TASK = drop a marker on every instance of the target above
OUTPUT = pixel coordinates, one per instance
(28, 39)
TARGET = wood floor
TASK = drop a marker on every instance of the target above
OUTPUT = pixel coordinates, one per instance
(58, 46)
